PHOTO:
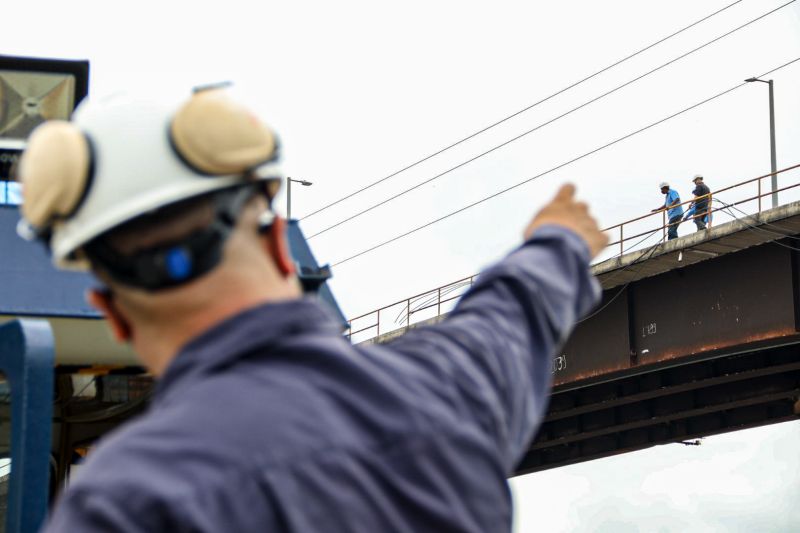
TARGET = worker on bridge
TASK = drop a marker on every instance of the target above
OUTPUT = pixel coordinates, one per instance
(672, 204)
(264, 418)
(699, 210)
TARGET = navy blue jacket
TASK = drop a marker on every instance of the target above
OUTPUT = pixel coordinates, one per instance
(271, 421)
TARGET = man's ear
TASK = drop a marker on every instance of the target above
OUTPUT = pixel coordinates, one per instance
(278, 246)
(103, 301)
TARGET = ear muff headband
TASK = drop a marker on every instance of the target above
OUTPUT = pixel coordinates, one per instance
(214, 135)
(56, 171)
(180, 261)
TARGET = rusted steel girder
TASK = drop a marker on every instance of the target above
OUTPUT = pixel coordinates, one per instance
(694, 351)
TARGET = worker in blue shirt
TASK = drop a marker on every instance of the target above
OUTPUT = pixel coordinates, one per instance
(264, 418)
(673, 207)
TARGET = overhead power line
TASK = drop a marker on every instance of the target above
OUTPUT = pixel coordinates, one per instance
(509, 117)
(574, 109)
(562, 165)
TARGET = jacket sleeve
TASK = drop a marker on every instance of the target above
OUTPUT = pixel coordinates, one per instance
(139, 504)
(495, 349)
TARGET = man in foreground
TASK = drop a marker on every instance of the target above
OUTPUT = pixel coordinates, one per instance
(264, 417)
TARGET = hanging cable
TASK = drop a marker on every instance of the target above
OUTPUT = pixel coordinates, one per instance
(509, 117)
(528, 132)
(645, 256)
(562, 165)
(756, 229)
(780, 233)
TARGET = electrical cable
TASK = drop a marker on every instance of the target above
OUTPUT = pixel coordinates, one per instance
(756, 229)
(528, 132)
(638, 260)
(509, 117)
(77, 395)
(429, 298)
(760, 228)
(107, 413)
(562, 165)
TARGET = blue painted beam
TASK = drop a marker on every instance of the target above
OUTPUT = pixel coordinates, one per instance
(31, 286)
(27, 359)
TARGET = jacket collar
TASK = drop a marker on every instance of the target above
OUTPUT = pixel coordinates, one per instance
(257, 328)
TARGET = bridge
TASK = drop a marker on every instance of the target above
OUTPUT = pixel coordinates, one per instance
(695, 336)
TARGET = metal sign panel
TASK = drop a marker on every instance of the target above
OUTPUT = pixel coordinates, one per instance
(599, 344)
(733, 300)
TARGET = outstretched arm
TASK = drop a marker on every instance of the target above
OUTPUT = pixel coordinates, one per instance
(495, 349)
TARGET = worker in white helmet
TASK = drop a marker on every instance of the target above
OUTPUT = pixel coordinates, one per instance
(699, 210)
(672, 204)
(264, 418)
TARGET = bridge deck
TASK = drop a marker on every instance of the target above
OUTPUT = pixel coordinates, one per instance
(736, 235)
(696, 336)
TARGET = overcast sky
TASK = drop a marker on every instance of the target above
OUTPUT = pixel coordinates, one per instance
(358, 90)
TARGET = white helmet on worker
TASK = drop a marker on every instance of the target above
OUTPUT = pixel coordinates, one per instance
(697, 177)
(123, 157)
(663, 184)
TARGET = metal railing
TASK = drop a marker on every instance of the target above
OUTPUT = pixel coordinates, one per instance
(622, 238)
(430, 304)
(417, 308)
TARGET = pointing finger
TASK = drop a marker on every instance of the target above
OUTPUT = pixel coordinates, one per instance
(566, 193)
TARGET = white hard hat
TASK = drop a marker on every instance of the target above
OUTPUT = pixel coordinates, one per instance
(697, 177)
(663, 184)
(123, 157)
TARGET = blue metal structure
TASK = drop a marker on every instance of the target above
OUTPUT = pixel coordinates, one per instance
(313, 276)
(27, 359)
(31, 286)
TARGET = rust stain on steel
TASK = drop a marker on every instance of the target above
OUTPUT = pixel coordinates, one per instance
(677, 353)
(589, 374)
(686, 351)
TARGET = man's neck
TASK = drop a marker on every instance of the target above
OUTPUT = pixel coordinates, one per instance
(159, 342)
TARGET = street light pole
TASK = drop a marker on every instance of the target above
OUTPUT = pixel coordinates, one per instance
(772, 146)
(773, 158)
(289, 198)
(289, 181)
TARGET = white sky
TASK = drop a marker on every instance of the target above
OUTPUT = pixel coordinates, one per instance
(358, 90)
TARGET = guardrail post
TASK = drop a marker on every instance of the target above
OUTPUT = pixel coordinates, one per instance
(408, 312)
(709, 209)
(664, 224)
(378, 324)
(621, 249)
(439, 302)
(759, 196)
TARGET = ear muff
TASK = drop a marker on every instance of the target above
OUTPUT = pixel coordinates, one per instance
(216, 136)
(55, 171)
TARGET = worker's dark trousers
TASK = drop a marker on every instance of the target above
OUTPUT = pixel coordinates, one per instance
(672, 232)
(700, 220)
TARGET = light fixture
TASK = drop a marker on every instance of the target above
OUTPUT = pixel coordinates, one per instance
(289, 182)
(33, 90)
(773, 159)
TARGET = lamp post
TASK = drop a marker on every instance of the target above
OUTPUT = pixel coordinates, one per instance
(289, 181)
(771, 139)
